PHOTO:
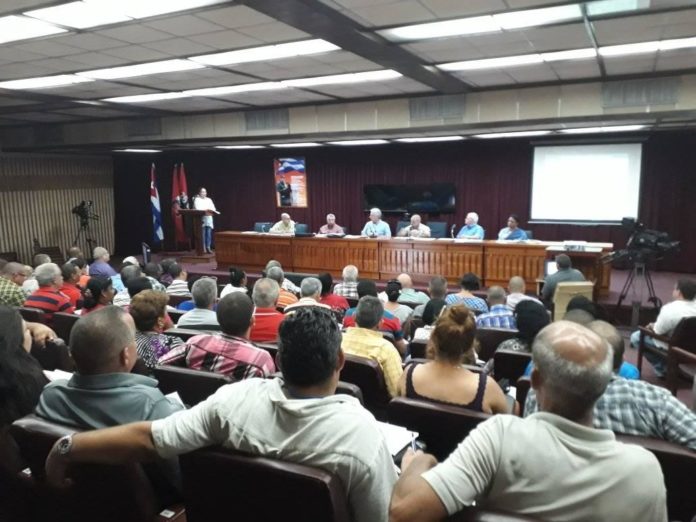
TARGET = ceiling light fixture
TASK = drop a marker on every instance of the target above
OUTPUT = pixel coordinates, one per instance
(429, 139)
(632, 48)
(43, 82)
(13, 28)
(267, 52)
(239, 147)
(144, 151)
(492, 63)
(143, 69)
(610, 128)
(358, 142)
(80, 15)
(461, 26)
(370, 76)
(235, 89)
(147, 8)
(298, 144)
(537, 17)
(516, 134)
(145, 98)
(572, 54)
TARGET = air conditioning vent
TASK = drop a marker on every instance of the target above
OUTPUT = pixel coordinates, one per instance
(144, 127)
(437, 107)
(640, 93)
(267, 119)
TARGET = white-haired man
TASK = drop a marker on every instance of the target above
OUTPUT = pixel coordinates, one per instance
(376, 227)
(349, 287)
(471, 229)
(48, 297)
(100, 266)
(331, 227)
(415, 229)
(284, 226)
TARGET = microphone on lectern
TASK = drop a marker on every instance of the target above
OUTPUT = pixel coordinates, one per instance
(454, 226)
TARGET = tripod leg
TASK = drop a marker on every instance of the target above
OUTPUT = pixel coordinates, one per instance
(626, 287)
(652, 296)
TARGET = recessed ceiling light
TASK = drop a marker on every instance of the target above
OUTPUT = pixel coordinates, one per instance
(146, 8)
(370, 76)
(536, 17)
(492, 63)
(235, 89)
(13, 28)
(600, 7)
(572, 54)
(267, 52)
(461, 26)
(610, 128)
(633, 48)
(298, 144)
(240, 147)
(145, 151)
(677, 43)
(516, 134)
(80, 14)
(358, 142)
(43, 82)
(428, 139)
(143, 69)
(144, 98)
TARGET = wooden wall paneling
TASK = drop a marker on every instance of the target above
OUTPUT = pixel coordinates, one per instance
(395, 257)
(463, 258)
(429, 258)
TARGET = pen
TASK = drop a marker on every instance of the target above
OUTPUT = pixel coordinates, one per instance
(413, 442)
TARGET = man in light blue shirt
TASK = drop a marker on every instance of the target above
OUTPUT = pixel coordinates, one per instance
(471, 230)
(376, 227)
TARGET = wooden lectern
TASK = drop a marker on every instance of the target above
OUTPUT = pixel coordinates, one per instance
(196, 216)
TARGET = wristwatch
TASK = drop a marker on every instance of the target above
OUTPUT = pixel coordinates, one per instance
(64, 444)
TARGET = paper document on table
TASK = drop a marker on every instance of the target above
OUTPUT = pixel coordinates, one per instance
(424, 238)
(397, 437)
(351, 236)
(54, 375)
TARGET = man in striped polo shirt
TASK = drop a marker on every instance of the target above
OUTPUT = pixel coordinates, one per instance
(48, 297)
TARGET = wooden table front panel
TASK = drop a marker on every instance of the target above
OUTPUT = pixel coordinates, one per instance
(315, 255)
(505, 260)
(252, 252)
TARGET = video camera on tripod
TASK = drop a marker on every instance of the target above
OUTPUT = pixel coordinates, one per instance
(85, 211)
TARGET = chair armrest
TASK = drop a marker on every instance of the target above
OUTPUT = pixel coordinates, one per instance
(682, 356)
(174, 513)
(651, 333)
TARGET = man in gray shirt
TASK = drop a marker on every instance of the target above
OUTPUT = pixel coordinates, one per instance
(204, 292)
(566, 273)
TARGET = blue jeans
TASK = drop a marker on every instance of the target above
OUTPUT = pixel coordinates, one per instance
(207, 237)
(659, 363)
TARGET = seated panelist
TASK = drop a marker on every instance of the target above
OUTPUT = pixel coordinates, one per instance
(331, 227)
(512, 232)
(415, 229)
(471, 228)
(284, 226)
(376, 227)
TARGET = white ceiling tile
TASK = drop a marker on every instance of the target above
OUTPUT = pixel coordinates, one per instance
(235, 16)
(15, 54)
(8, 6)
(96, 60)
(534, 73)
(7, 101)
(184, 25)
(135, 33)
(336, 57)
(88, 41)
(362, 90)
(49, 47)
(350, 4)
(628, 30)
(561, 37)
(273, 32)
(682, 59)
(228, 39)
(180, 47)
(630, 64)
(518, 4)
(460, 8)
(356, 66)
(41, 116)
(23, 70)
(404, 12)
(195, 104)
(95, 112)
(185, 81)
(485, 78)
(57, 64)
(679, 30)
(137, 53)
(572, 70)
(275, 97)
(445, 50)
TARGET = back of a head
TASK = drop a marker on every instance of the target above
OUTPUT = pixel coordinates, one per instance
(166, 263)
(516, 285)
(367, 287)
(393, 291)
(531, 317)
(175, 270)
(369, 312)
(350, 274)
(153, 270)
(129, 273)
(68, 271)
(271, 264)
(265, 293)
(563, 262)
(310, 287)
(438, 287)
(309, 341)
(611, 335)
(581, 302)
(45, 274)
(204, 292)
(97, 339)
(470, 282)
(147, 307)
(75, 251)
(40, 259)
(237, 276)
(96, 286)
(687, 288)
(454, 333)
(326, 283)
(432, 310)
(579, 317)
(137, 285)
(496, 295)
(234, 313)
(10, 269)
(79, 262)
(405, 280)
(99, 252)
(575, 366)
(276, 273)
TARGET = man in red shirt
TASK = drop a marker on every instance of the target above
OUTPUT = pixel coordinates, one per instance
(266, 318)
(48, 297)
(70, 288)
(337, 303)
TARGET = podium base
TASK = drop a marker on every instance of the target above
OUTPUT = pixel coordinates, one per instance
(196, 259)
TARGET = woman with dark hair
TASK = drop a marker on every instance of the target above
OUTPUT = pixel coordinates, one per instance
(444, 380)
(401, 312)
(338, 303)
(98, 294)
(149, 312)
(431, 312)
(238, 282)
(468, 283)
(21, 376)
(512, 232)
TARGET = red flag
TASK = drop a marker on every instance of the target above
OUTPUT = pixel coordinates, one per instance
(179, 234)
(183, 187)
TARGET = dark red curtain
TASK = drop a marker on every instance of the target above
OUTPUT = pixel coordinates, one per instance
(492, 178)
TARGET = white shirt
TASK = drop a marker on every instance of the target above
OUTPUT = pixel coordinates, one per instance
(306, 301)
(670, 315)
(550, 468)
(200, 203)
(334, 433)
(230, 289)
(421, 231)
(178, 287)
(514, 299)
(198, 317)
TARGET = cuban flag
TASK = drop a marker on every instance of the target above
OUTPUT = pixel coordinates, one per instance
(290, 165)
(157, 232)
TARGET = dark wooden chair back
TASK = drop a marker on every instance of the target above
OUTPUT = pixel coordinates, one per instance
(418, 349)
(684, 335)
(183, 333)
(510, 364)
(299, 492)
(32, 315)
(367, 375)
(63, 324)
(352, 302)
(347, 388)
(175, 315)
(440, 426)
(490, 338)
(522, 387)
(175, 300)
(193, 386)
(54, 355)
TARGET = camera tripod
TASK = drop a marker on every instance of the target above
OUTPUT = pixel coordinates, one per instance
(640, 271)
(84, 233)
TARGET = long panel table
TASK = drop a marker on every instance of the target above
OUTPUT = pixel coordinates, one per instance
(494, 261)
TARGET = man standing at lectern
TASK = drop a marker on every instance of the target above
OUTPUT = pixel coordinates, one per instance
(203, 202)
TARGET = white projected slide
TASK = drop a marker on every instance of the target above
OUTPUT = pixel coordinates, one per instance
(586, 182)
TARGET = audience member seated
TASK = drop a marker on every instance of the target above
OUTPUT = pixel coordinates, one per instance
(80, 263)
(615, 339)
(566, 273)
(444, 380)
(552, 465)
(635, 407)
(349, 287)
(401, 312)
(284, 226)
(365, 340)
(266, 318)
(238, 282)
(21, 376)
(310, 292)
(667, 320)
(408, 293)
(75, 252)
(388, 324)
(12, 277)
(415, 229)
(230, 352)
(153, 271)
(202, 317)
(70, 288)
(128, 274)
(149, 309)
(531, 317)
(512, 232)
(468, 283)
(516, 289)
(437, 288)
(100, 266)
(285, 297)
(334, 301)
(47, 297)
(286, 284)
(499, 316)
(98, 294)
(310, 425)
(30, 284)
(432, 311)
(581, 302)
(179, 285)
(166, 278)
